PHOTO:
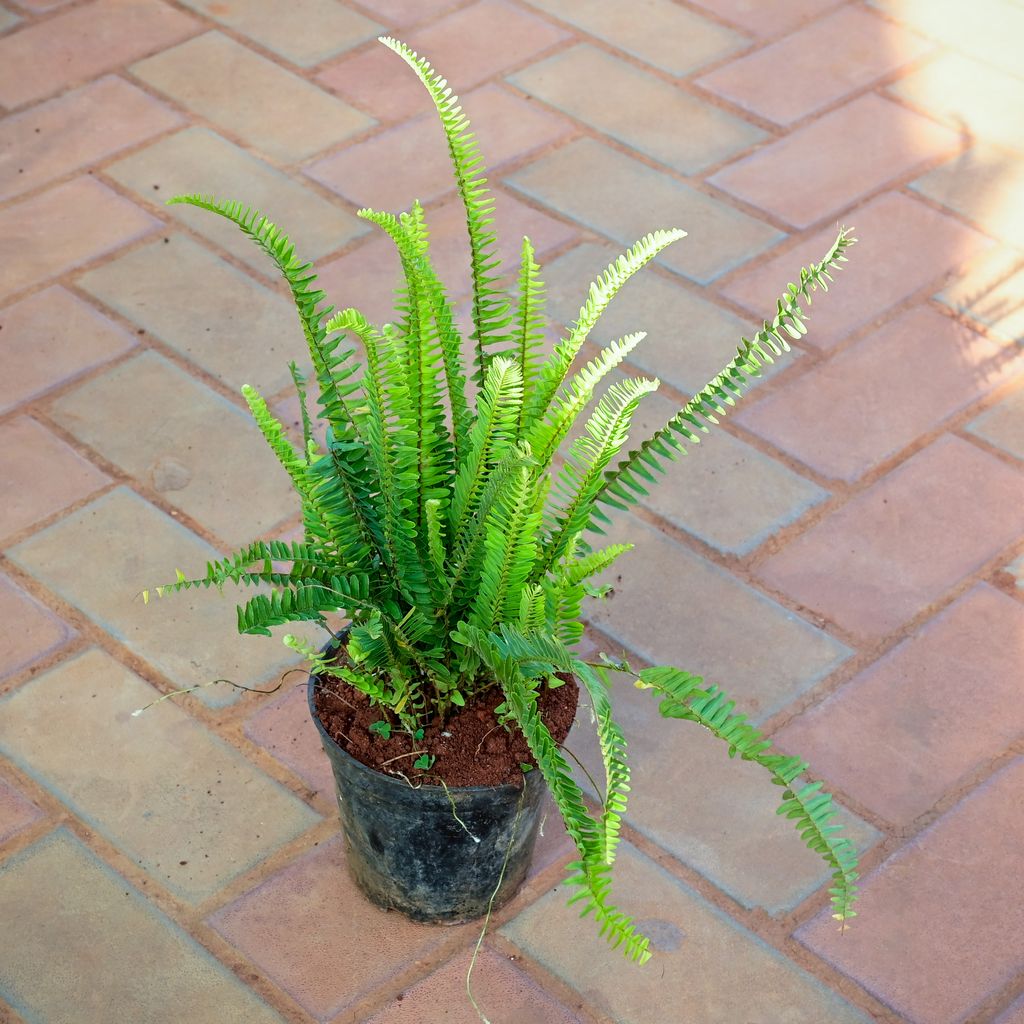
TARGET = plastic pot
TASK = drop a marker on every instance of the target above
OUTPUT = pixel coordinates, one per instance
(434, 855)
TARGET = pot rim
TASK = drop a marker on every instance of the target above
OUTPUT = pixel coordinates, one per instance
(325, 736)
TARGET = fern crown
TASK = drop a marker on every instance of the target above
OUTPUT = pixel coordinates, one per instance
(451, 533)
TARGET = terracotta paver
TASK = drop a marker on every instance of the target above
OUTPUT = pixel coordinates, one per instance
(820, 65)
(17, 812)
(990, 293)
(72, 558)
(232, 327)
(83, 42)
(714, 971)
(882, 557)
(625, 200)
(685, 41)
(767, 18)
(985, 184)
(844, 558)
(25, 445)
(195, 814)
(1003, 425)
(797, 179)
(990, 36)
(957, 872)
(689, 338)
(271, 926)
(415, 154)
(239, 493)
(81, 219)
(882, 737)
(285, 729)
(199, 160)
(962, 91)
(663, 121)
(122, 959)
(461, 45)
(688, 618)
(304, 32)
(57, 137)
(500, 989)
(903, 245)
(276, 111)
(713, 813)
(33, 339)
(30, 630)
(864, 396)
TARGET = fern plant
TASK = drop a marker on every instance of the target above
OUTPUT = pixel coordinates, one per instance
(447, 533)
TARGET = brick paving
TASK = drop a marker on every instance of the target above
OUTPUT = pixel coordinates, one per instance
(846, 556)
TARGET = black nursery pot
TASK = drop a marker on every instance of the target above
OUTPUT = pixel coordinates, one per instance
(434, 855)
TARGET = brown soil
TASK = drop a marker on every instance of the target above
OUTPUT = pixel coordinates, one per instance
(470, 749)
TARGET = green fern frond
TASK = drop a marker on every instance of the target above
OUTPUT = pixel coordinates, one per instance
(623, 487)
(601, 293)
(490, 307)
(304, 602)
(579, 479)
(812, 810)
(590, 874)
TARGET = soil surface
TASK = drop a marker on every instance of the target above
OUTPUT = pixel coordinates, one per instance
(471, 749)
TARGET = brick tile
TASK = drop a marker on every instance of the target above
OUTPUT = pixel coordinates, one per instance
(16, 811)
(196, 815)
(903, 246)
(403, 13)
(271, 925)
(25, 446)
(689, 339)
(991, 293)
(121, 958)
(230, 326)
(817, 66)
(304, 32)
(765, 18)
(732, 496)
(638, 109)
(971, 96)
(203, 454)
(826, 165)
(31, 631)
(986, 185)
(80, 220)
(880, 559)
(497, 986)
(190, 637)
(41, 5)
(624, 199)
(716, 814)
(1003, 425)
(198, 160)
(659, 620)
(1014, 1014)
(887, 737)
(7, 19)
(710, 964)
(863, 396)
(280, 114)
(461, 46)
(59, 136)
(366, 276)
(33, 339)
(84, 42)
(681, 41)
(940, 904)
(990, 36)
(416, 158)
(284, 728)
